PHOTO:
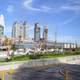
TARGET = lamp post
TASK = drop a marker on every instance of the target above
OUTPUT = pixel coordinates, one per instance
(55, 42)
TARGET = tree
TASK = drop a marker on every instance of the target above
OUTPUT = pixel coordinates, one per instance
(42, 44)
(7, 42)
(13, 47)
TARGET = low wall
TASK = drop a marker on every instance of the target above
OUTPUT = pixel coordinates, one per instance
(42, 62)
(52, 61)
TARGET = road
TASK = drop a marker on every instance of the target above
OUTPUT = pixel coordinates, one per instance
(49, 73)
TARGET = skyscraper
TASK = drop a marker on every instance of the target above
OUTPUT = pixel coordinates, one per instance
(1, 31)
(2, 25)
(45, 33)
(24, 29)
(19, 30)
(2, 20)
(36, 32)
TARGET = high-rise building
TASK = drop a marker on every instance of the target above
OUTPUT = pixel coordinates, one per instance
(19, 30)
(2, 20)
(45, 33)
(2, 25)
(36, 32)
(1, 31)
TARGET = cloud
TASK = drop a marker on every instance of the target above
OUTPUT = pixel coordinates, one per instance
(28, 4)
(71, 8)
(71, 5)
(75, 1)
(10, 8)
(46, 8)
(69, 20)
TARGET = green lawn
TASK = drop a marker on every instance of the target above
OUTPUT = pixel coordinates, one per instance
(40, 56)
(20, 58)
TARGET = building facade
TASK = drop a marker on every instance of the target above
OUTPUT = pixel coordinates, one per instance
(36, 32)
(19, 30)
(2, 25)
(1, 31)
(45, 33)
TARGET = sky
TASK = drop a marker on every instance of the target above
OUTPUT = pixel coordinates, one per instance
(61, 16)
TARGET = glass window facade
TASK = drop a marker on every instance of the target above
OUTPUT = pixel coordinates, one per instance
(1, 31)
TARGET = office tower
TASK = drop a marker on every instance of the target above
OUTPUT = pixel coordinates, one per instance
(2, 20)
(1, 31)
(15, 28)
(19, 30)
(25, 28)
(36, 32)
(2, 25)
(45, 33)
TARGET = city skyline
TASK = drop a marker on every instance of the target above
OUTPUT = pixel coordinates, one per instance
(60, 14)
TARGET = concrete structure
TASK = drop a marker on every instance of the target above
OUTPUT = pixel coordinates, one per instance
(25, 26)
(1, 31)
(49, 45)
(36, 32)
(2, 25)
(59, 45)
(2, 22)
(45, 33)
(19, 31)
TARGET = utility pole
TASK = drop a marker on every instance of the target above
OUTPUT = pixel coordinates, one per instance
(55, 38)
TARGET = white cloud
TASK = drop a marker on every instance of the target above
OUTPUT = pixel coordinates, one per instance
(10, 8)
(71, 5)
(69, 20)
(28, 5)
(46, 8)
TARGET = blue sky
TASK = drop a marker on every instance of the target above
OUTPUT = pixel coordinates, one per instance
(62, 16)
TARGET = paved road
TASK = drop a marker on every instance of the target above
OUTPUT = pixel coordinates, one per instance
(50, 73)
(45, 73)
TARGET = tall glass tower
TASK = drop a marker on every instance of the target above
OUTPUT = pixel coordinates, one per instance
(2, 25)
(45, 33)
(36, 32)
(1, 31)
(19, 30)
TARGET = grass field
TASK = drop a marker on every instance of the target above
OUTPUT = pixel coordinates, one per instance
(42, 56)
(39, 56)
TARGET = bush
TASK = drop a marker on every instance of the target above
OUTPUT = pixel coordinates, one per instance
(35, 56)
(7, 60)
(77, 52)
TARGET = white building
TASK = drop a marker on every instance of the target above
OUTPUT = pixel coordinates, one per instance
(2, 25)
(19, 31)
